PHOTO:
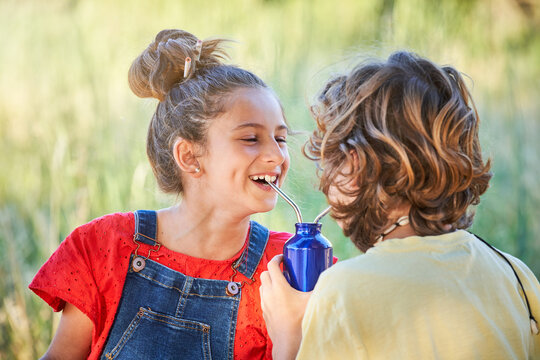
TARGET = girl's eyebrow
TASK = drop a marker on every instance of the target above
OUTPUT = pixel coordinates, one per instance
(257, 125)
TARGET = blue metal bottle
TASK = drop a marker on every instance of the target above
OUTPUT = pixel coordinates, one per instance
(306, 255)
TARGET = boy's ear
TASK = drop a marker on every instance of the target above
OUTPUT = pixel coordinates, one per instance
(185, 158)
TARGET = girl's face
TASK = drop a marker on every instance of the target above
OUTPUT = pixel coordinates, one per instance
(245, 144)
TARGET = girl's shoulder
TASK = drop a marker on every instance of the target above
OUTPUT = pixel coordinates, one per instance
(88, 265)
(107, 224)
(107, 231)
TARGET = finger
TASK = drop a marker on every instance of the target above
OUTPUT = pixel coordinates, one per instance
(263, 303)
(266, 280)
(274, 270)
(265, 318)
(277, 259)
(273, 265)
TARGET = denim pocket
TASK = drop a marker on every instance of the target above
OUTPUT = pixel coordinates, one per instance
(151, 335)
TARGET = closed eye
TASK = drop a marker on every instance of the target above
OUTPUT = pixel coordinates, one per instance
(253, 139)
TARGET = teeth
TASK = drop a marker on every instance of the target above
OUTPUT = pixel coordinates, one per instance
(268, 178)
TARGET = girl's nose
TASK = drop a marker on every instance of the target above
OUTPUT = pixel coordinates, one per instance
(275, 152)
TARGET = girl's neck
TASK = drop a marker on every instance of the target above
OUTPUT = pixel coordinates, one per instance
(201, 232)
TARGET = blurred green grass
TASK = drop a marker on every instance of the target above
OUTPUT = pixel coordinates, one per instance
(73, 135)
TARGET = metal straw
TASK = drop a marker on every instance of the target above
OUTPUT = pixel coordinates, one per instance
(319, 217)
(287, 199)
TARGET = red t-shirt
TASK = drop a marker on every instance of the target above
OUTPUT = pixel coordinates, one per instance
(89, 268)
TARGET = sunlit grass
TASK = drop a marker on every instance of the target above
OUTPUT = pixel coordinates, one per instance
(73, 135)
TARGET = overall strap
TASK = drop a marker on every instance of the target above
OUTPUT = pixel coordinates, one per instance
(251, 257)
(145, 227)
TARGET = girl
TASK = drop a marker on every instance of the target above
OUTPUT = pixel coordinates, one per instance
(182, 281)
(401, 164)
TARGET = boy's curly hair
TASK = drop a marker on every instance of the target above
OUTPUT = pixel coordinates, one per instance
(410, 128)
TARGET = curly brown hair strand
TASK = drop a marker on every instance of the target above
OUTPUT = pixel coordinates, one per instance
(413, 128)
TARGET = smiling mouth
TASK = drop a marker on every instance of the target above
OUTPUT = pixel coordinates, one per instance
(264, 179)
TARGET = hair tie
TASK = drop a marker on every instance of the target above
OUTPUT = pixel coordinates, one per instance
(187, 66)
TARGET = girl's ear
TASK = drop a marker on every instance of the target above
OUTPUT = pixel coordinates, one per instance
(185, 158)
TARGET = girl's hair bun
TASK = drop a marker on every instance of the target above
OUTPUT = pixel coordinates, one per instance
(161, 65)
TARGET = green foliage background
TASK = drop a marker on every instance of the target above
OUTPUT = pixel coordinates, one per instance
(73, 135)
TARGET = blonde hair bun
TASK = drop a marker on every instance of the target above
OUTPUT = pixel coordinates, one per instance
(161, 65)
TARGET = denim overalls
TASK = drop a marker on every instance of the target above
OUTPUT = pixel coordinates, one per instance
(164, 314)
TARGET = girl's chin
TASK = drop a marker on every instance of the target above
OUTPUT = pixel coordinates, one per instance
(264, 207)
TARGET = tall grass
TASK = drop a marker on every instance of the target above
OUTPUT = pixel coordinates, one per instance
(72, 134)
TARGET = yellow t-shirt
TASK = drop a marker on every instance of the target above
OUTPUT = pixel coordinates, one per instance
(435, 297)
